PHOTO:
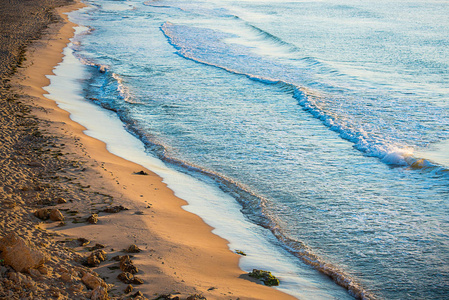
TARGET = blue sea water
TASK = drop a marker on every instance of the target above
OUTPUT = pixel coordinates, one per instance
(327, 121)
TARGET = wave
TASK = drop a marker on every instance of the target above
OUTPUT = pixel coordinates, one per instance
(310, 101)
(122, 89)
(102, 68)
(388, 154)
(264, 39)
(271, 37)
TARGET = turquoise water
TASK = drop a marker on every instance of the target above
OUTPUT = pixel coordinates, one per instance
(326, 120)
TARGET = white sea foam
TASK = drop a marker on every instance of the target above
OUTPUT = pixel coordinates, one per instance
(122, 88)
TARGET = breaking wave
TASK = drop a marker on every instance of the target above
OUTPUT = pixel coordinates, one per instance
(190, 45)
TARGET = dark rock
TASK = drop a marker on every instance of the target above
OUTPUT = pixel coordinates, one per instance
(266, 277)
(101, 254)
(61, 200)
(240, 252)
(95, 258)
(83, 241)
(56, 215)
(126, 277)
(114, 209)
(137, 280)
(141, 173)
(133, 249)
(42, 213)
(93, 219)
(93, 261)
(138, 294)
(126, 265)
(129, 289)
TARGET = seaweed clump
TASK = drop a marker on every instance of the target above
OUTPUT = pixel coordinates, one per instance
(265, 276)
(240, 252)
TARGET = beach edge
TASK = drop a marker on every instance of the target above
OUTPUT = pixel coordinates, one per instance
(179, 251)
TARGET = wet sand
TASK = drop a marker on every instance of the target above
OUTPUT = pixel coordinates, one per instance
(48, 163)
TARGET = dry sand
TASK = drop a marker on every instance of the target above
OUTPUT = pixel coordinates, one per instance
(50, 163)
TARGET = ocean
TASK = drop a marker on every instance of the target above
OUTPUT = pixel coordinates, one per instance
(313, 135)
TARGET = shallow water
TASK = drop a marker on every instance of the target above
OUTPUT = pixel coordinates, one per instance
(327, 121)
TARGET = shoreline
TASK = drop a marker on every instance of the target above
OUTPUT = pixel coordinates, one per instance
(180, 253)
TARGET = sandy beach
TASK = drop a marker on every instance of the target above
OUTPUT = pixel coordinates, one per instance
(71, 210)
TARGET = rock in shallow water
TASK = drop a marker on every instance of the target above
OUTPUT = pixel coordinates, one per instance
(266, 277)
